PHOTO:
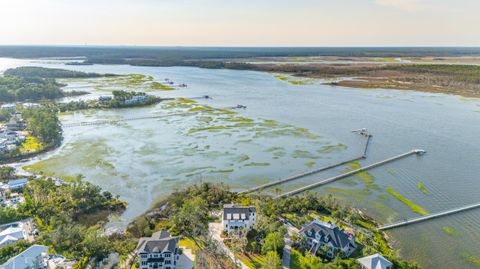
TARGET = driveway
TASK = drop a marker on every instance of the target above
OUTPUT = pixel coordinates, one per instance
(288, 244)
(216, 231)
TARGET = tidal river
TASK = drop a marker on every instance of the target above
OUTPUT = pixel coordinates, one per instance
(286, 129)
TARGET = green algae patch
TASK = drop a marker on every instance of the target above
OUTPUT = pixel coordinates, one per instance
(88, 155)
(310, 164)
(257, 164)
(392, 172)
(332, 148)
(304, 154)
(281, 77)
(422, 188)
(159, 86)
(222, 171)
(471, 258)
(358, 194)
(213, 128)
(277, 152)
(414, 207)
(363, 175)
(294, 80)
(450, 231)
(242, 158)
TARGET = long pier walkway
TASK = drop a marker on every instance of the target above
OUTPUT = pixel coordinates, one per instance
(367, 137)
(365, 168)
(105, 122)
(428, 217)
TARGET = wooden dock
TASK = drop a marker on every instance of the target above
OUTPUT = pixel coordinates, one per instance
(311, 172)
(428, 217)
(105, 122)
(365, 168)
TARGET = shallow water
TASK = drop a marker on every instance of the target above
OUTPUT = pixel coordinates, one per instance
(144, 160)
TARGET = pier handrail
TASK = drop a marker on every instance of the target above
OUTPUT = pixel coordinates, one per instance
(428, 217)
(335, 178)
(311, 172)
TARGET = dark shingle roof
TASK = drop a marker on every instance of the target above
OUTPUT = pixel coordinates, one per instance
(337, 237)
(235, 209)
(159, 242)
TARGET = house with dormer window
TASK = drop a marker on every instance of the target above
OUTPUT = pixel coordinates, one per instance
(327, 238)
(238, 217)
(158, 252)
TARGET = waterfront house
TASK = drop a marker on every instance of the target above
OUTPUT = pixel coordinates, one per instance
(238, 217)
(14, 124)
(105, 99)
(9, 107)
(375, 261)
(136, 99)
(31, 258)
(327, 237)
(158, 252)
(11, 233)
(30, 105)
(17, 184)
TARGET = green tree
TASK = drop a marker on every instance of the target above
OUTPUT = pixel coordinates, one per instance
(272, 261)
(273, 242)
(6, 173)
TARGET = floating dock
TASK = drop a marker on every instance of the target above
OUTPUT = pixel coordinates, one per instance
(335, 178)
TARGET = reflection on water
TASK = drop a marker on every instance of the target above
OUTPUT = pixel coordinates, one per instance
(143, 160)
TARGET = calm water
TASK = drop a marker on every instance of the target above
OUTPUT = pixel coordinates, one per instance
(145, 160)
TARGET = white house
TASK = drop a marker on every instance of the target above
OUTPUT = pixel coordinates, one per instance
(321, 236)
(238, 217)
(17, 184)
(12, 233)
(375, 261)
(158, 252)
(31, 258)
(9, 107)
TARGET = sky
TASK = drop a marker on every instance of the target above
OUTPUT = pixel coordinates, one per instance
(241, 22)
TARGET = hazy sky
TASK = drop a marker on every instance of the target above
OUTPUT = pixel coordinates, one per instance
(241, 22)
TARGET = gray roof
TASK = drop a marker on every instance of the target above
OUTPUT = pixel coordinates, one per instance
(159, 242)
(17, 183)
(337, 237)
(235, 209)
(375, 261)
(25, 259)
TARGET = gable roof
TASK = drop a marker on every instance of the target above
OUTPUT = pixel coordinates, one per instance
(25, 259)
(337, 237)
(8, 240)
(375, 261)
(159, 242)
(235, 209)
(16, 232)
(17, 183)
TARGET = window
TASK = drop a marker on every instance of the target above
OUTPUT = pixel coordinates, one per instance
(168, 262)
(167, 255)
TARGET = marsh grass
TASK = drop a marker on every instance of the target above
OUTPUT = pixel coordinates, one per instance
(366, 177)
(422, 188)
(414, 207)
(471, 258)
(450, 231)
